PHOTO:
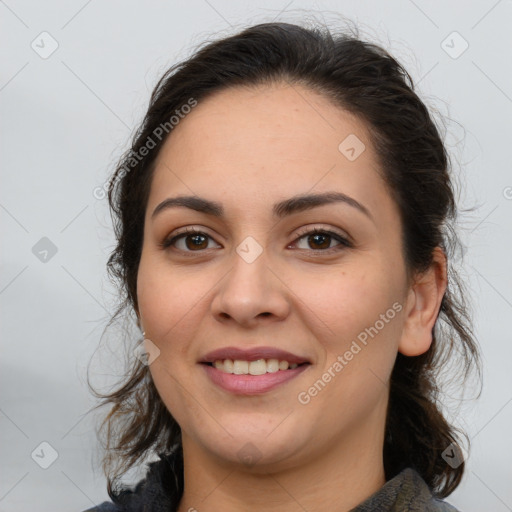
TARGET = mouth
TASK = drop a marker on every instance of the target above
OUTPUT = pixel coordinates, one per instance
(240, 356)
(252, 371)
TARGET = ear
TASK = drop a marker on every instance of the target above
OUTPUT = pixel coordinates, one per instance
(422, 306)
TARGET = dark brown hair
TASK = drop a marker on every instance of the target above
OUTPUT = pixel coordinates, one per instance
(365, 80)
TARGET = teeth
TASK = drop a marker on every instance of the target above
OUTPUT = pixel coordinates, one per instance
(259, 367)
(240, 367)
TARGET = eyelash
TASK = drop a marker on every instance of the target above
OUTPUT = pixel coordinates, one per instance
(343, 242)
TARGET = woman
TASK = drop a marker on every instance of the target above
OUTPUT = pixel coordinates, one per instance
(283, 225)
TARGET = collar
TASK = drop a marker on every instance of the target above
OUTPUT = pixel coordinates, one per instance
(407, 491)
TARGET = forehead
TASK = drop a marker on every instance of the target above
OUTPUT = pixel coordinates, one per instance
(256, 145)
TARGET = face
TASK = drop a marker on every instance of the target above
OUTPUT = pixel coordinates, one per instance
(246, 274)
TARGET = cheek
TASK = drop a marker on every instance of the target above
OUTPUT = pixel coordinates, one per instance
(359, 332)
(166, 300)
(342, 305)
(361, 315)
(169, 305)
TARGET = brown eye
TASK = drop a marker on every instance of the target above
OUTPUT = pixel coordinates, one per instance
(321, 240)
(189, 241)
(198, 241)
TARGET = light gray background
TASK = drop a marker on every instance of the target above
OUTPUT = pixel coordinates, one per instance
(66, 118)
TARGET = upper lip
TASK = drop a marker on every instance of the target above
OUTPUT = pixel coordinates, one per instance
(252, 354)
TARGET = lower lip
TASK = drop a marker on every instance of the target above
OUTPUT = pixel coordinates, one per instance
(251, 384)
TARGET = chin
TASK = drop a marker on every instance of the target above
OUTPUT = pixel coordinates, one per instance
(259, 450)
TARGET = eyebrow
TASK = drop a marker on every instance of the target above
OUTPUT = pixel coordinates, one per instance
(281, 209)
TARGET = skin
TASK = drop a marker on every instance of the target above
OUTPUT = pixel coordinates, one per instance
(249, 148)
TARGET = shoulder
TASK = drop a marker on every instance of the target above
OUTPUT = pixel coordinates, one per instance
(161, 488)
(405, 492)
(423, 496)
(415, 494)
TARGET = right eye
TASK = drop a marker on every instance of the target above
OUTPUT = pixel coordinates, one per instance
(191, 240)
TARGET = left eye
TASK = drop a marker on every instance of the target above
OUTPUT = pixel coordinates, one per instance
(323, 239)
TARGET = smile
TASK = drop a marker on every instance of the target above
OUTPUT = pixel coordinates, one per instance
(246, 383)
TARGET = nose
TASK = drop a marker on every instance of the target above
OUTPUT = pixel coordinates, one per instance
(251, 293)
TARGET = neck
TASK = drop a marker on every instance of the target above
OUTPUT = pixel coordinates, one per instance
(339, 479)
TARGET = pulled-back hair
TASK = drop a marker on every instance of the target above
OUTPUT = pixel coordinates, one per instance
(363, 79)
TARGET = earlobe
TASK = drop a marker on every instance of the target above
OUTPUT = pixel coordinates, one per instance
(423, 305)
